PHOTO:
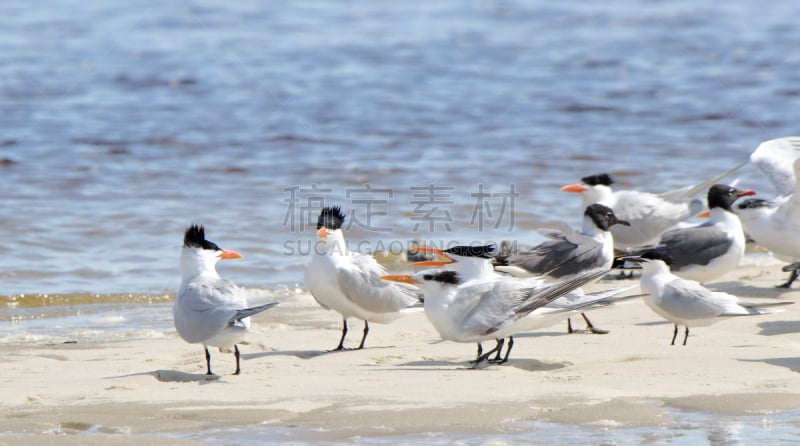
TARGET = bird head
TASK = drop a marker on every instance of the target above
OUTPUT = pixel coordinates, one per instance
(603, 217)
(198, 254)
(722, 196)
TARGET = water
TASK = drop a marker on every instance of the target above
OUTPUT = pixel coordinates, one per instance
(122, 123)
(679, 428)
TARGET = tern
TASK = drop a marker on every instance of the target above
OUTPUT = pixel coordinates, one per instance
(492, 307)
(209, 309)
(686, 302)
(350, 283)
(476, 263)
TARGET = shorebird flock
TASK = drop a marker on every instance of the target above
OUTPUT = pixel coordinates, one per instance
(476, 294)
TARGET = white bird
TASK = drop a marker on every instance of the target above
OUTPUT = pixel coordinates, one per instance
(707, 251)
(491, 307)
(775, 225)
(209, 309)
(649, 214)
(350, 283)
(568, 253)
(686, 302)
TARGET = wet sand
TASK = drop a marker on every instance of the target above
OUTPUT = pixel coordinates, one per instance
(139, 391)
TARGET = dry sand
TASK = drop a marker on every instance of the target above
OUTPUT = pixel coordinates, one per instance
(406, 381)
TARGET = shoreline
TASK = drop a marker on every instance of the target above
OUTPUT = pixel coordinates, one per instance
(407, 381)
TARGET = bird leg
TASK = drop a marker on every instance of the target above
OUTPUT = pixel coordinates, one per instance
(792, 276)
(208, 361)
(569, 326)
(674, 335)
(480, 350)
(483, 357)
(686, 335)
(364, 338)
(237, 355)
(591, 328)
(499, 348)
(500, 343)
(340, 347)
(510, 345)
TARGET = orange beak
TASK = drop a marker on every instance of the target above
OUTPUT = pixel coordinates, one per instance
(323, 232)
(402, 278)
(448, 260)
(577, 187)
(225, 254)
(705, 214)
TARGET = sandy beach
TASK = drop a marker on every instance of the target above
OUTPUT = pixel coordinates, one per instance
(141, 391)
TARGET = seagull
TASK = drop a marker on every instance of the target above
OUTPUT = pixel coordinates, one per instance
(686, 302)
(649, 214)
(492, 307)
(774, 224)
(350, 283)
(707, 251)
(569, 252)
(209, 309)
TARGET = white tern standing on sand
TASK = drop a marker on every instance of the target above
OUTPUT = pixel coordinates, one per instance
(209, 309)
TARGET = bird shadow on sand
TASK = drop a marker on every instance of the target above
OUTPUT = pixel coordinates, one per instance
(749, 292)
(772, 328)
(307, 354)
(534, 365)
(652, 323)
(433, 364)
(545, 334)
(530, 365)
(792, 364)
(302, 354)
(175, 376)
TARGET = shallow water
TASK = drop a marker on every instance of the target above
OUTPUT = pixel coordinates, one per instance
(677, 428)
(122, 123)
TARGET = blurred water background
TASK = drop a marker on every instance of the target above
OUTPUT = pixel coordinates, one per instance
(123, 122)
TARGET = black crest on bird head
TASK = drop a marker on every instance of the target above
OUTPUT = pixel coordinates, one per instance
(331, 217)
(484, 252)
(195, 237)
(594, 180)
(656, 255)
(446, 276)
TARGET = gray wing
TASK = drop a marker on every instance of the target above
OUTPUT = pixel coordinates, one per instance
(775, 159)
(559, 258)
(203, 309)
(219, 294)
(489, 305)
(362, 284)
(510, 299)
(698, 245)
(687, 300)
